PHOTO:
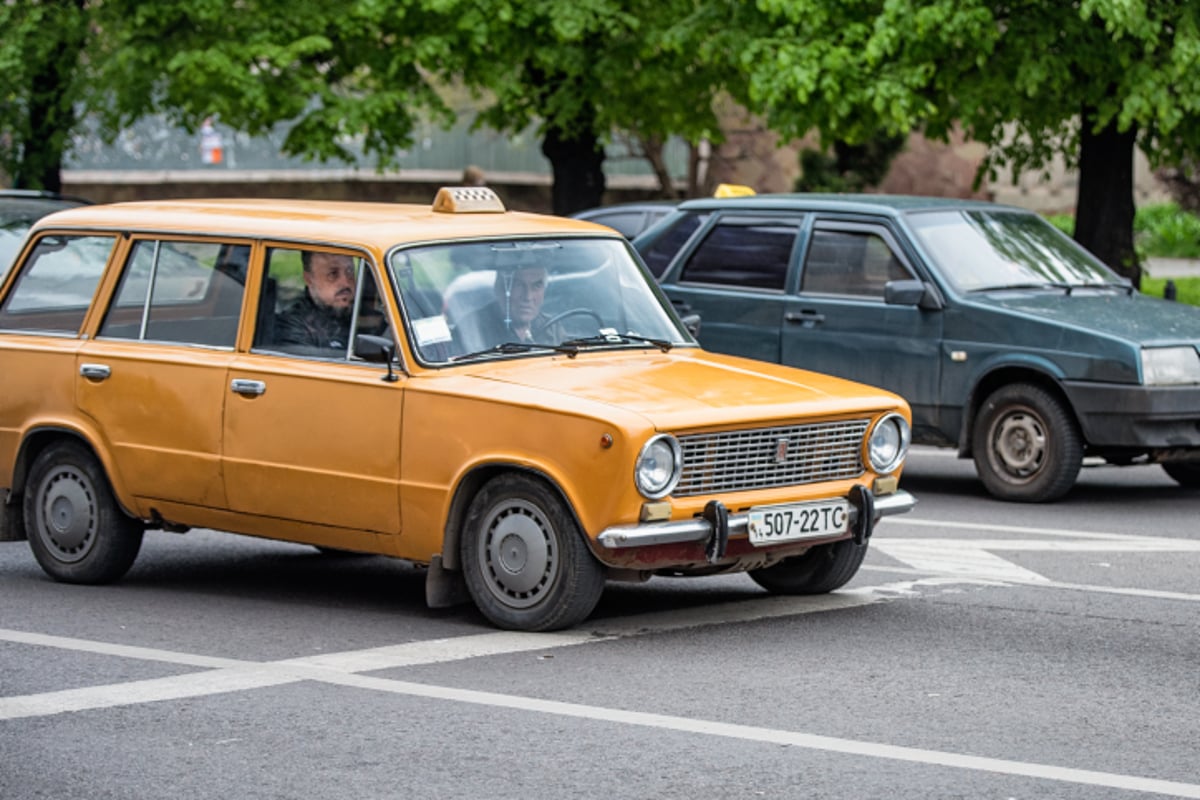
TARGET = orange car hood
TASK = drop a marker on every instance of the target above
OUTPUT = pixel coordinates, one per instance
(685, 388)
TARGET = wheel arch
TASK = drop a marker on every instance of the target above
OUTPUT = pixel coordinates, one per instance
(469, 486)
(1005, 376)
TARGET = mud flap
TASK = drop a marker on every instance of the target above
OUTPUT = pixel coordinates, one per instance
(864, 502)
(717, 515)
(444, 588)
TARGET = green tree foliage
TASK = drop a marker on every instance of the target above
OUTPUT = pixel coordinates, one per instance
(367, 71)
(1085, 80)
(43, 81)
(584, 68)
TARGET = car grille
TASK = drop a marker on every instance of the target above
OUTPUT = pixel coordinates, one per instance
(763, 458)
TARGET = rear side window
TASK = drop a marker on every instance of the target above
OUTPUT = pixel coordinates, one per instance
(850, 262)
(180, 292)
(57, 284)
(658, 256)
(745, 253)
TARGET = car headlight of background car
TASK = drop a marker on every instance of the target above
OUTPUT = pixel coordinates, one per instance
(659, 466)
(1165, 366)
(888, 443)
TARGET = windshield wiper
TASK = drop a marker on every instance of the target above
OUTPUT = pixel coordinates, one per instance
(510, 348)
(602, 339)
(1127, 288)
(1066, 287)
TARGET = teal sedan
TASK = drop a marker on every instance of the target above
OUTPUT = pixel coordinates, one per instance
(1011, 343)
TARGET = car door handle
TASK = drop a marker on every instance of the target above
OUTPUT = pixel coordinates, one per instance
(95, 372)
(806, 318)
(244, 386)
(681, 306)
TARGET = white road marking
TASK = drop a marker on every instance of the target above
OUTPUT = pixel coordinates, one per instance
(1025, 530)
(974, 557)
(340, 669)
(955, 561)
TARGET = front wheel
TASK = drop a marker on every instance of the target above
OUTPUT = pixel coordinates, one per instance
(820, 570)
(76, 529)
(1026, 445)
(1185, 473)
(524, 559)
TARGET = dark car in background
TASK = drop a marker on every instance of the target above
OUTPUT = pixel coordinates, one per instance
(1011, 343)
(19, 209)
(628, 219)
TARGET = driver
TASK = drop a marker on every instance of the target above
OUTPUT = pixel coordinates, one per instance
(514, 314)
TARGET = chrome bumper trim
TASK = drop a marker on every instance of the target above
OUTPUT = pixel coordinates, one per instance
(698, 530)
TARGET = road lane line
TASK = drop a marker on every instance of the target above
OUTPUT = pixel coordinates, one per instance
(122, 650)
(231, 675)
(775, 736)
(1152, 594)
(344, 669)
(1022, 529)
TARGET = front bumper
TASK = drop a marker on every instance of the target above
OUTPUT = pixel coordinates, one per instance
(692, 531)
(1136, 417)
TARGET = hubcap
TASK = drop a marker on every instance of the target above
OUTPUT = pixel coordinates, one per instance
(68, 514)
(518, 553)
(1020, 444)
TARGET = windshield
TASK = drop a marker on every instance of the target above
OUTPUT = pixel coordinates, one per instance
(492, 299)
(983, 250)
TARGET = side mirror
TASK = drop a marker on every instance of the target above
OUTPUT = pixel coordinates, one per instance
(911, 293)
(692, 323)
(376, 350)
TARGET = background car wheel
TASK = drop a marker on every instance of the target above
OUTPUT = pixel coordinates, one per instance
(1026, 445)
(76, 530)
(524, 559)
(822, 569)
(1185, 473)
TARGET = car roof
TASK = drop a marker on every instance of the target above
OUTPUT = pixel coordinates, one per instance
(636, 205)
(887, 204)
(381, 225)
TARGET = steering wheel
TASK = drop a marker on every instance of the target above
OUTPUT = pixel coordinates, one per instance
(572, 312)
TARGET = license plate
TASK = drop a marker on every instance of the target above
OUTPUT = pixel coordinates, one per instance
(798, 521)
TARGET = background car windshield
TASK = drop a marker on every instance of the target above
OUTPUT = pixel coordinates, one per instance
(978, 250)
(462, 298)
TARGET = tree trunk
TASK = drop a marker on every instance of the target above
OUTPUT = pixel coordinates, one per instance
(577, 164)
(1104, 207)
(51, 101)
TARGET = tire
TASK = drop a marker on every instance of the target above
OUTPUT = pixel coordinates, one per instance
(1026, 445)
(76, 530)
(525, 562)
(821, 570)
(1185, 473)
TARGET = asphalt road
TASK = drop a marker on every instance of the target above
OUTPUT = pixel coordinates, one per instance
(986, 650)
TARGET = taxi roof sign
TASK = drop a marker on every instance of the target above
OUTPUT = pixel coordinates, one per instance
(467, 200)
(732, 190)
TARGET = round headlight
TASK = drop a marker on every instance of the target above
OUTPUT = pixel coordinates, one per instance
(889, 443)
(658, 466)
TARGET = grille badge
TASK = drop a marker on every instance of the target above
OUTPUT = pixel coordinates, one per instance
(781, 450)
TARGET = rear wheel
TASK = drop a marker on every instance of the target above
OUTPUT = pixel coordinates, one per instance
(1185, 473)
(822, 569)
(1026, 444)
(76, 530)
(524, 559)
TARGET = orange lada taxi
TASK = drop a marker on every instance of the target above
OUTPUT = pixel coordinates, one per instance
(505, 398)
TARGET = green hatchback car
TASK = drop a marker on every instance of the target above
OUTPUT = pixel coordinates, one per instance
(1010, 342)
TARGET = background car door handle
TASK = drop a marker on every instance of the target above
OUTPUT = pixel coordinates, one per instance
(807, 318)
(95, 372)
(248, 387)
